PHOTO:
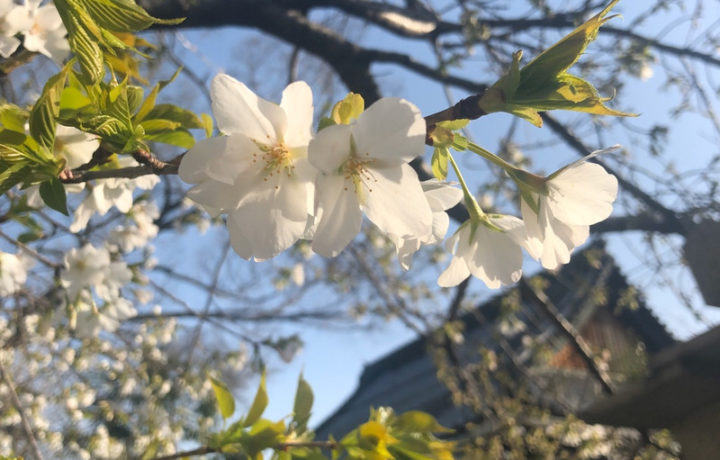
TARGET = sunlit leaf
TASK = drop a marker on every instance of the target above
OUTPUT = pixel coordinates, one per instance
(226, 402)
(258, 405)
(303, 404)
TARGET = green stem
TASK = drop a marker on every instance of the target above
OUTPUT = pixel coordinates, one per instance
(476, 213)
(490, 157)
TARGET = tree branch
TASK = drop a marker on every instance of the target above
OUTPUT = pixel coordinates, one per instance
(576, 339)
(24, 422)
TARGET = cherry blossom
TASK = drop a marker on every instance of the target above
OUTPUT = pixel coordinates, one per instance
(106, 193)
(8, 42)
(91, 267)
(364, 170)
(13, 273)
(440, 196)
(258, 173)
(91, 320)
(489, 249)
(560, 213)
(42, 29)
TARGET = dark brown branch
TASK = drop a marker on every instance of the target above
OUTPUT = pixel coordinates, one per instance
(152, 165)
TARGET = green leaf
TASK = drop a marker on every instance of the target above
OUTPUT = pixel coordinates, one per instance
(454, 125)
(563, 54)
(155, 125)
(122, 15)
(73, 99)
(420, 422)
(174, 113)
(46, 109)
(225, 400)
(325, 122)
(135, 96)
(53, 194)
(180, 138)
(11, 137)
(13, 117)
(207, 122)
(348, 109)
(439, 163)
(303, 404)
(544, 84)
(84, 38)
(259, 404)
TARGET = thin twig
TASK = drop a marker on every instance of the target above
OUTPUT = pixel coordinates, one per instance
(18, 407)
(283, 446)
(570, 332)
(29, 250)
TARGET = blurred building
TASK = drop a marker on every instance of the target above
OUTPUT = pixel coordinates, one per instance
(515, 327)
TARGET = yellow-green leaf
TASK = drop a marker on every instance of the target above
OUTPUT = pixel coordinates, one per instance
(439, 163)
(348, 109)
(258, 405)
(454, 125)
(421, 422)
(225, 400)
(207, 122)
(562, 54)
(303, 404)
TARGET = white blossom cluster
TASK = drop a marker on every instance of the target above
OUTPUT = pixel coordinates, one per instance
(40, 27)
(13, 273)
(278, 183)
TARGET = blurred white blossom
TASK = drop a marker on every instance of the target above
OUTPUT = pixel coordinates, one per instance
(41, 27)
(13, 273)
(106, 193)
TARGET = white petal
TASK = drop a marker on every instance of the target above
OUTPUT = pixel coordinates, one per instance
(19, 19)
(559, 239)
(8, 45)
(396, 203)
(582, 194)
(239, 242)
(340, 216)
(48, 18)
(266, 221)
(297, 101)
(391, 129)
(441, 195)
(221, 158)
(440, 224)
(406, 247)
(330, 148)
(534, 242)
(212, 194)
(455, 274)
(77, 146)
(240, 111)
(497, 259)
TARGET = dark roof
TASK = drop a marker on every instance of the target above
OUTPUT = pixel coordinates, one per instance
(682, 379)
(405, 378)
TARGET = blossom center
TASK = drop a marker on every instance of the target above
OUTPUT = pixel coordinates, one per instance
(277, 159)
(356, 170)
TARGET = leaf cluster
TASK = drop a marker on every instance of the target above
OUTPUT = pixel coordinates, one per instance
(385, 436)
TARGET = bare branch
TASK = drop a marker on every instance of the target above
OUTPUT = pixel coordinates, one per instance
(24, 422)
